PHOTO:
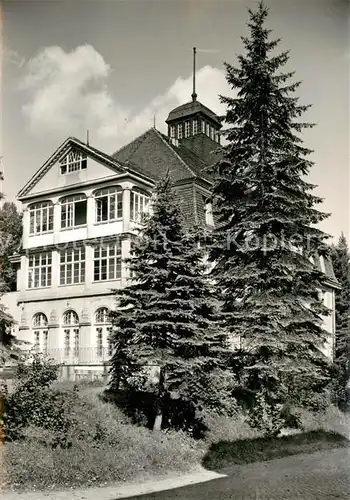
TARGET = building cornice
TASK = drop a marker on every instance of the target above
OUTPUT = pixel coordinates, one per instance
(81, 185)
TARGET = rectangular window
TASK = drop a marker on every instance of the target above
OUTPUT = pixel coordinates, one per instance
(72, 266)
(109, 342)
(73, 211)
(203, 127)
(76, 342)
(40, 218)
(195, 127)
(187, 129)
(139, 204)
(45, 335)
(66, 342)
(179, 131)
(99, 342)
(212, 133)
(37, 341)
(39, 270)
(107, 262)
(109, 205)
(208, 129)
(172, 131)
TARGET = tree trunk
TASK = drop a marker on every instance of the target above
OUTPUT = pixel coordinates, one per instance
(158, 404)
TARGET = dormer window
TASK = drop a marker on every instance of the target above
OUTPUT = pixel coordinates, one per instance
(208, 129)
(203, 127)
(172, 131)
(195, 127)
(73, 162)
(179, 131)
(187, 129)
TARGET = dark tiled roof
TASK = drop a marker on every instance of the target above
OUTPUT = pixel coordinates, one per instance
(189, 109)
(152, 154)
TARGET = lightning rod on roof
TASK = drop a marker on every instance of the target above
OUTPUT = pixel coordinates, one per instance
(194, 95)
(87, 137)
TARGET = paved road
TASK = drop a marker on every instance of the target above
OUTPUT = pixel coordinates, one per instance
(319, 476)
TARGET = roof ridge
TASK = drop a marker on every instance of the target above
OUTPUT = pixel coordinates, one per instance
(175, 152)
(134, 140)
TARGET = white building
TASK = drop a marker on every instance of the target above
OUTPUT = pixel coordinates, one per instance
(80, 211)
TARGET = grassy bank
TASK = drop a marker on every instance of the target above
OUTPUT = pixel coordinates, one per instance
(122, 452)
(105, 448)
(245, 451)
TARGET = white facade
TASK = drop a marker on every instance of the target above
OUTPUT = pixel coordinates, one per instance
(77, 229)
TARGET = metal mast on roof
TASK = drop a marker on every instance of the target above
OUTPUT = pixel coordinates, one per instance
(87, 137)
(194, 95)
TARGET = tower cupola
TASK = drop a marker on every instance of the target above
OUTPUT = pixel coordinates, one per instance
(193, 118)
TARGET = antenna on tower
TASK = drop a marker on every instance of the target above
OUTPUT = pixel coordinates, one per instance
(87, 137)
(194, 95)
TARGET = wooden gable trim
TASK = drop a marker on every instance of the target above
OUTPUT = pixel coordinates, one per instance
(68, 145)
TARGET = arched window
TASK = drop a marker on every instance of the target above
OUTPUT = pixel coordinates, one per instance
(70, 321)
(109, 204)
(40, 320)
(70, 318)
(75, 160)
(40, 332)
(139, 204)
(103, 330)
(73, 211)
(102, 315)
(41, 217)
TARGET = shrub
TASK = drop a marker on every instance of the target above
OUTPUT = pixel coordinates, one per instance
(266, 415)
(225, 428)
(331, 420)
(122, 451)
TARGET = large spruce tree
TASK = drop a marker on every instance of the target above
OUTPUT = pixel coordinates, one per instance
(167, 316)
(341, 264)
(266, 228)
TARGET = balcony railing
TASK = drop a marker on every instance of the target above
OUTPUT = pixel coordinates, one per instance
(81, 356)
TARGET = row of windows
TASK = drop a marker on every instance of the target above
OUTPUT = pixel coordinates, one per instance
(70, 320)
(106, 266)
(193, 127)
(72, 341)
(108, 207)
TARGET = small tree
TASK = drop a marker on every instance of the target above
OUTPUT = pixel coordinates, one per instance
(11, 237)
(266, 232)
(167, 316)
(341, 264)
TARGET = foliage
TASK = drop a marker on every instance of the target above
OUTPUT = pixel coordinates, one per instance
(32, 401)
(341, 265)
(11, 240)
(266, 230)
(121, 452)
(167, 317)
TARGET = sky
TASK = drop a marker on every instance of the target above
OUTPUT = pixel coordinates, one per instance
(111, 66)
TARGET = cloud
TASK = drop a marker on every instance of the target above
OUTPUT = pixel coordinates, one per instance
(12, 57)
(67, 92)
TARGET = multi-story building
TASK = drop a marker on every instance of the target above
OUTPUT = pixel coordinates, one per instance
(81, 209)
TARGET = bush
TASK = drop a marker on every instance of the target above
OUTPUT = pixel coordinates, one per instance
(119, 452)
(266, 416)
(224, 428)
(331, 420)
